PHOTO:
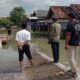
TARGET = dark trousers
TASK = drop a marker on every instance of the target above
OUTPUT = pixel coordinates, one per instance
(55, 51)
(26, 50)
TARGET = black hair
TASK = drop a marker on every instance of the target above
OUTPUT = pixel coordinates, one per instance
(54, 19)
(24, 25)
(71, 15)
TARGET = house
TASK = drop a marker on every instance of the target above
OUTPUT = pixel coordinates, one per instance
(61, 13)
(41, 14)
(31, 25)
(76, 9)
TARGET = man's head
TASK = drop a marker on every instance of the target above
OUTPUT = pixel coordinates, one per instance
(24, 24)
(71, 15)
(54, 19)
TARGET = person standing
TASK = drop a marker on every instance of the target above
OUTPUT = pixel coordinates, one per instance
(23, 38)
(72, 42)
(9, 32)
(55, 31)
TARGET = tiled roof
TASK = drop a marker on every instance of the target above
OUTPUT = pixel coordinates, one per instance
(76, 8)
(59, 11)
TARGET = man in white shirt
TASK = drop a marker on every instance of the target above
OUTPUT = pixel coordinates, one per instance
(23, 38)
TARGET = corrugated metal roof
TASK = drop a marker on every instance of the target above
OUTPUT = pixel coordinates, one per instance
(33, 18)
(41, 13)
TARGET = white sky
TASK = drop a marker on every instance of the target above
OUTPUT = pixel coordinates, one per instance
(30, 5)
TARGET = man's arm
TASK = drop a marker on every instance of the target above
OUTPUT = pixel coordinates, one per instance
(68, 36)
(27, 41)
(18, 43)
(79, 39)
(17, 39)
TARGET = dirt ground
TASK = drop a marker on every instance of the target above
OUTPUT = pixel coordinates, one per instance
(44, 70)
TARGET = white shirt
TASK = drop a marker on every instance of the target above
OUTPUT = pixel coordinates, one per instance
(23, 35)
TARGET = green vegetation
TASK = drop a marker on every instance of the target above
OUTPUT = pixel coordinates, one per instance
(17, 15)
(5, 21)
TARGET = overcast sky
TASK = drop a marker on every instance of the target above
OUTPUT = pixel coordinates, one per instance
(30, 5)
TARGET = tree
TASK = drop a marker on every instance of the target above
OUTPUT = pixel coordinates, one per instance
(5, 21)
(17, 15)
